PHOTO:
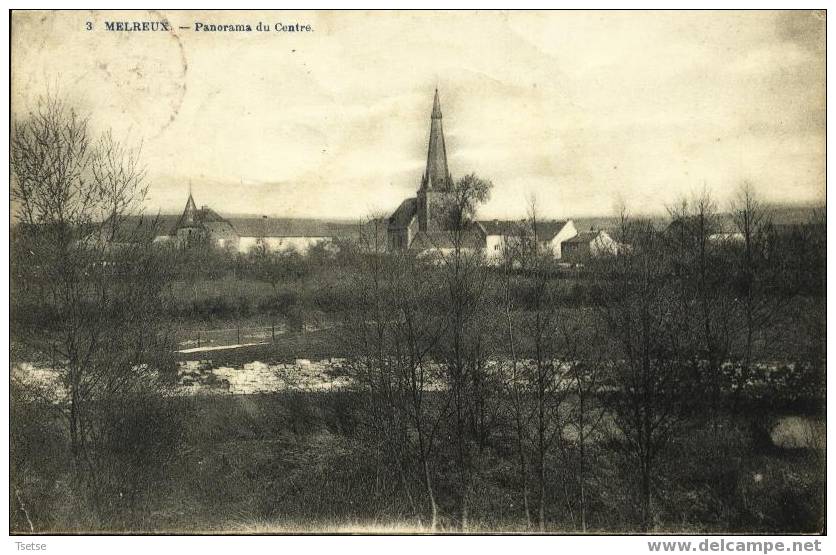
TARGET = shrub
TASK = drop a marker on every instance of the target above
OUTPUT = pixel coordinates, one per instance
(37, 454)
(136, 438)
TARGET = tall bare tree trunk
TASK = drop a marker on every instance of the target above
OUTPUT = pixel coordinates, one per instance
(431, 496)
(582, 459)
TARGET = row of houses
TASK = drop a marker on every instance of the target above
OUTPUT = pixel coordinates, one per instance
(204, 227)
(416, 225)
(419, 224)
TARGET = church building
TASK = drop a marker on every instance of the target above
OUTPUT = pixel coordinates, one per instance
(204, 226)
(421, 215)
(419, 222)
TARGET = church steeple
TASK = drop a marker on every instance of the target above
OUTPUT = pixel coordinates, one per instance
(436, 175)
(189, 216)
(436, 107)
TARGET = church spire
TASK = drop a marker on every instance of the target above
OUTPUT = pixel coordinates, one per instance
(436, 175)
(190, 213)
(436, 106)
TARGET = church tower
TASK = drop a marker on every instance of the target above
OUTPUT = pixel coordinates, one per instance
(189, 227)
(189, 213)
(436, 180)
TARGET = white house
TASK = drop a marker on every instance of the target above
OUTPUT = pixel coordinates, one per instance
(502, 234)
(281, 234)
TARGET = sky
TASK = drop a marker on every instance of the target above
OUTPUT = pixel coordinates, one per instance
(581, 111)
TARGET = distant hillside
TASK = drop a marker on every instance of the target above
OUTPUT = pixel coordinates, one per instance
(781, 215)
(787, 215)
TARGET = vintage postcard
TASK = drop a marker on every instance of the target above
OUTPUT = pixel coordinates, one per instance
(418, 272)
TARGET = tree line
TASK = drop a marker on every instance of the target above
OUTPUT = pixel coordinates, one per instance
(462, 359)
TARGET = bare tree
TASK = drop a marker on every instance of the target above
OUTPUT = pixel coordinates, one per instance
(464, 348)
(50, 159)
(635, 301)
(752, 270)
(515, 376)
(391, 332)
(540, 326)
(586, 347)
(696, 241)
(534, 374)
(118, 173)
(70, 193)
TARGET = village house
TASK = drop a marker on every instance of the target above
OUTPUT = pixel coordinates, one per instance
(204, 227)
(281, 234)
(589, 244)
(501, 235)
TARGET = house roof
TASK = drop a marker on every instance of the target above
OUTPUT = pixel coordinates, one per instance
(584, 237)
(139, 228)
(499, 227)
(546, 229)
(291, 227)
(146, 227)
(404, 214)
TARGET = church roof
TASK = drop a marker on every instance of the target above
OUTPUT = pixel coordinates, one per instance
(207, 215)
(189, 216)
(436, 106)
(404, 214)
(194, 217)
(436, 176)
